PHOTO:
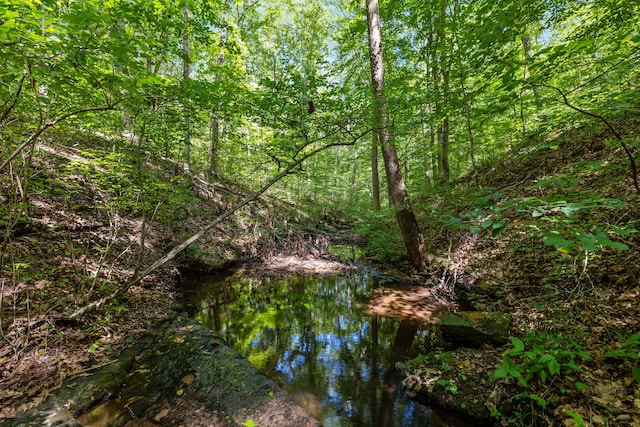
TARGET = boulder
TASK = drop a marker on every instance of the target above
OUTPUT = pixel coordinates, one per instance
(475, 328)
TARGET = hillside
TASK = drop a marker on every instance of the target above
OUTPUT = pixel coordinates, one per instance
(73, 235)
(550, 235)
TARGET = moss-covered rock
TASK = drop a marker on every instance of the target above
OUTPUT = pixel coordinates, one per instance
(473, 328)
(180, 374)
(460, 382)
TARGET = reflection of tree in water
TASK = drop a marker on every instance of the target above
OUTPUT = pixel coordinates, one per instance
(316, 339)
(393, 377)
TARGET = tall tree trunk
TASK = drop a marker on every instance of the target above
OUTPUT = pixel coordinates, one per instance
(428, 130)
(411, 235)
(354, 172)
(375, 177)
(185, 82)
(441, 69)
(427, 137)
(443, 140)
(467, 113)
(528, 57)
(212, 170)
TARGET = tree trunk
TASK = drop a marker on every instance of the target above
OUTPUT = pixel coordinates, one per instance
(428, 130)
(528, 58)
(411, 235)
(375, 177)
(467, 113)
(442, 68)
(212, 170)
(185, 82)
(443, 140)
(354, 172)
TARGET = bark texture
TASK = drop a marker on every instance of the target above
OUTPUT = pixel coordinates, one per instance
(411, 235)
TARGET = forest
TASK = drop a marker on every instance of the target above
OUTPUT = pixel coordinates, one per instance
(485, 150)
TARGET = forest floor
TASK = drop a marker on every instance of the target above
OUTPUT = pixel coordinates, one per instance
(77, 238)
(575, 300)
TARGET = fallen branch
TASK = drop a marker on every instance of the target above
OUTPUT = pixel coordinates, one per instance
(182, 246)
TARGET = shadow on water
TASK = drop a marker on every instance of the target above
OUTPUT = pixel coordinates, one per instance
(329, 342)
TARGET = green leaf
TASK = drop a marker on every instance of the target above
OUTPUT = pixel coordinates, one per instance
(539, 400)
(604, 239)
(636, 373)
(498, 227)
(581, 386)
(546, 359)
(518, 346)
(577, 418)
(588, 242)
(543, 376)
(593, 165)
(501, 372)
(250, 423)
(621, 353)
(516, 374)
(557, 241)
(554, 367)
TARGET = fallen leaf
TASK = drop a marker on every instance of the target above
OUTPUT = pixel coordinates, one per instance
(160, 415)
(188, 379)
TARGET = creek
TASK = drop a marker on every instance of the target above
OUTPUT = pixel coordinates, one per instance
(305, 349)
(331, 343)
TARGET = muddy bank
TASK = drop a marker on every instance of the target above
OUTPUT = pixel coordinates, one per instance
(180, 373)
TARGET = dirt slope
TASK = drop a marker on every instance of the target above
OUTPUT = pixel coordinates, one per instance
(575, 298)
(76, 236)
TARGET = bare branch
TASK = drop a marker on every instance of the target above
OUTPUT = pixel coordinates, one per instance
(182, 246)
(46, 126)
(632, 161)
(11, 102)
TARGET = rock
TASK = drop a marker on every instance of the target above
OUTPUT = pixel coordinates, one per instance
(475, 328)
(181, 373)
(459, 381)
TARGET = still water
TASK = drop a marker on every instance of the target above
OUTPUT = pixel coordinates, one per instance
(324, 342)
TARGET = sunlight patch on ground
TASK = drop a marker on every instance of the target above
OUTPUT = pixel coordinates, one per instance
(293, 264)
(412, 302)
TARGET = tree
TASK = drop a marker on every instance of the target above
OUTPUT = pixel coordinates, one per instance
(186, 71)
(411, 235)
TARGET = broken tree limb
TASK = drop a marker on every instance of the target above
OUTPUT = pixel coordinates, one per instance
(182, 246)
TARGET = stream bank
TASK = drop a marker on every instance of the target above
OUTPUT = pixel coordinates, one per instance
(180, 373)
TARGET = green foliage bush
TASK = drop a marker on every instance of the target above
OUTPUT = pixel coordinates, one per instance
(538, 357)
(629, 348)
(565, 223)
(383, 238)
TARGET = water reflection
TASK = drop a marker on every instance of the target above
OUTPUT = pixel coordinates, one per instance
(322, 342)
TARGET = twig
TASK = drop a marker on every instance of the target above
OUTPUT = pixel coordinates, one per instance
(632, 161)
